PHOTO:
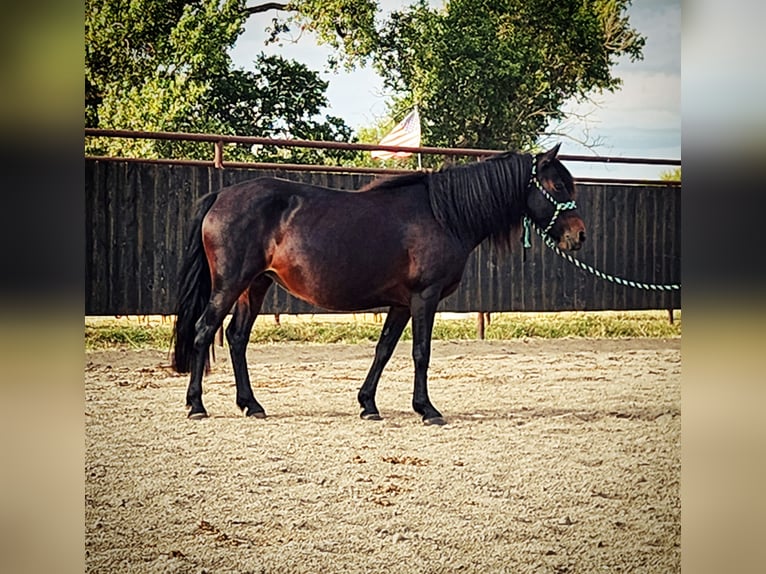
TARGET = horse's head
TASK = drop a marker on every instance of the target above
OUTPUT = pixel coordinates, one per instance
(550, 201)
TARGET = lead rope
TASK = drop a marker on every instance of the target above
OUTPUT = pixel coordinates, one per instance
(600, 274)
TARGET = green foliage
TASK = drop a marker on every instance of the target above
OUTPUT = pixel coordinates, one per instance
(671, 175)
(491, 74)
(164, 66)
(128, 44)
(160, 104)
(280, 99)
(484, 73)
(495, 74)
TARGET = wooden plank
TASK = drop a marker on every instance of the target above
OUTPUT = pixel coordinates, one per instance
(116, 287)
(624, 220)
(97, 240)
(594, 252)
(640, 259)
(112, 170)
(614, 261)
(159, 283)
(145, 208)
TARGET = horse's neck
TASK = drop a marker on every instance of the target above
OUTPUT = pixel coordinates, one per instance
(496, 209)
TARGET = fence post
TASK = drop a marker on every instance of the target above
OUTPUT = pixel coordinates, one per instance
(218, 158)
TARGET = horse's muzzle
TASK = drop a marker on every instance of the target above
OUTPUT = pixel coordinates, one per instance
(572, 239)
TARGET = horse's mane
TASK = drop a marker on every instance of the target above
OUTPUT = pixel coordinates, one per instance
(481, 199)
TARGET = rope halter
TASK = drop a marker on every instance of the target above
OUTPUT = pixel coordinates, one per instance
(558, 208)
(543, 233)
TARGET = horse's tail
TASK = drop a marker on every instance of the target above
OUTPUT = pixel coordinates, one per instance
(194, 289)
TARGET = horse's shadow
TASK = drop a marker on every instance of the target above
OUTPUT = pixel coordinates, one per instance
(516, 417)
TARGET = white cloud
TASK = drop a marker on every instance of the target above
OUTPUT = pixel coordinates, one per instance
(645, 100)
(643, 118)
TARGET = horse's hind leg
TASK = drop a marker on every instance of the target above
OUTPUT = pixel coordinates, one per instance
(206, 326)
(396, 320)
(238, 334)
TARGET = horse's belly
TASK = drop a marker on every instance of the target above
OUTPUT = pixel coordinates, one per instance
(351, 268)
(338, 289)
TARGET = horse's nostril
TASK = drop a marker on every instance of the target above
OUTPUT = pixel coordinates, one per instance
(582, 237)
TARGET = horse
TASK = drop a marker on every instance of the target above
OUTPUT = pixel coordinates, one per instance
(401, 242)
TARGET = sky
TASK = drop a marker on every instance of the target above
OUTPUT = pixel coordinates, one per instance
(641, 119)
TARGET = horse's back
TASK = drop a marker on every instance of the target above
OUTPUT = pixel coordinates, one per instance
(321, 206)
(254, 189)
(259, 205)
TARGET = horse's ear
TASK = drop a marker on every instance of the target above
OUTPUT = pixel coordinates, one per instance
(545, 157)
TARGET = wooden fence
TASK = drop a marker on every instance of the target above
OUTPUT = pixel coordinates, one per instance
(137, 215)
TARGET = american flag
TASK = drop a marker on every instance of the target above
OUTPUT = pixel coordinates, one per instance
(405, 134)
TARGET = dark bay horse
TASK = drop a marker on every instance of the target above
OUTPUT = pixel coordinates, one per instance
(401, 242)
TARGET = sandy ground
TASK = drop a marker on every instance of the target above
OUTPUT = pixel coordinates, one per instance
(558, 456)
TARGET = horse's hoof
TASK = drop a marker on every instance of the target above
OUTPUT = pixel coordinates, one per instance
(257, 415)
(198, 416)
(438, 421)
(371, 417)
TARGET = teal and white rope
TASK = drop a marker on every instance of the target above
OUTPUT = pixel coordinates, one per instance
(601, 275)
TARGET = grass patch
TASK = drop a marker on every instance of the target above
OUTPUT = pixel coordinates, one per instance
(590, 325)
(104, 333)
(316, 332)
(111, 335)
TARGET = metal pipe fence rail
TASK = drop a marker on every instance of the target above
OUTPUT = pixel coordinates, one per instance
(219, 140)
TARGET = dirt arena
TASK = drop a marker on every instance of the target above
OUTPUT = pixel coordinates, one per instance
(558, 456)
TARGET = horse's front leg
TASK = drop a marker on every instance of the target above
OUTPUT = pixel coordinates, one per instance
(396, 320)
(423, 308)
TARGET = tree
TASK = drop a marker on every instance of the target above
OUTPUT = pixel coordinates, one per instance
(280, 99)
(496, 73)
(170, 45)
(154, 65)
(485, 73)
